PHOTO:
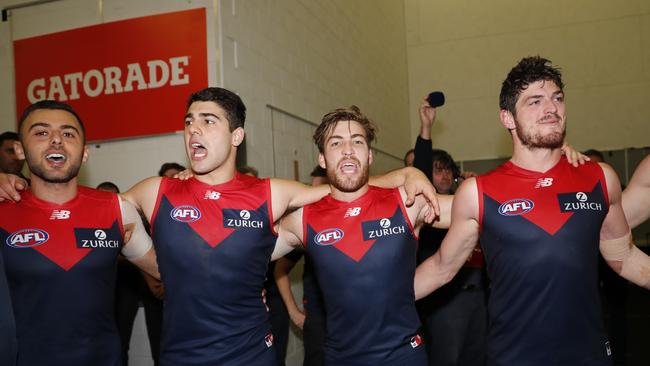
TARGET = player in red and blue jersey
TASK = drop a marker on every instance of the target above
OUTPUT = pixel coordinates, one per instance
(214, 237)
(60, 244)
(541, 223)
(362, 241)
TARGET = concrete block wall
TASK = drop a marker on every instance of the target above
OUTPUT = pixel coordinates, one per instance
(308, 57)
(466, 49)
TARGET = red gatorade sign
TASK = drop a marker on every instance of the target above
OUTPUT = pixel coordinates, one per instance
(125, 79)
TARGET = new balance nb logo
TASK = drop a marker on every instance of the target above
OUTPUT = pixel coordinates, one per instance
(352, 211)
(212, 195)
(60, 215)
(544, 182)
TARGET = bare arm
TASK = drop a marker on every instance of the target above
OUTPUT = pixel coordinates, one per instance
(289, 234)
(636, 197)
(457, 245)
(415, 183)
(616, 244)
(281, 273)
(143, 195)
(287, 194)
(137, 244)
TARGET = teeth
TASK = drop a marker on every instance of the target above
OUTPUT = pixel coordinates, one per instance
(55, 156)
(196, 145)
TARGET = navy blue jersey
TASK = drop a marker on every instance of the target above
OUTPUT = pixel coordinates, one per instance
(213, 245)
(312, 299)
(8, 346)
(540, 234)
(364, 258)
(60, 263)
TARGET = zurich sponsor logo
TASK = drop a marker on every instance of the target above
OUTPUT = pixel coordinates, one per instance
(185, 213)
(328, 236)
(27, 238)
(517, 206)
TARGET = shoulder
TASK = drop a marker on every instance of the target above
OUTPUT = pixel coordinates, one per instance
(95, 194)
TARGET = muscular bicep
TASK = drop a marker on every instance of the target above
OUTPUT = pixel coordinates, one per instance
(457, 245)
(463, 232)
(636, 197)
(614, 226)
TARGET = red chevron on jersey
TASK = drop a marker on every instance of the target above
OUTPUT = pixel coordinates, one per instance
(64, 245)
(215, 212)
(197, 218)
(353, 246)
(353, 236)
(543, 206)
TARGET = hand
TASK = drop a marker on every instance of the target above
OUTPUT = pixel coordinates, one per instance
(416, 183)
(184, 175)
(574, 158)
(155, 286)
(298, 318)
(10, 185)
(264, 299)
(427, 114)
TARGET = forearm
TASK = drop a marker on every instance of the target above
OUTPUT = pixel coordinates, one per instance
(148, 264)
(284, 287)
(430, 275)
(392, 179)
(423, 159)
(627, 260)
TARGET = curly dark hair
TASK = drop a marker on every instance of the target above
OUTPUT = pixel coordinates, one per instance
(527, 71)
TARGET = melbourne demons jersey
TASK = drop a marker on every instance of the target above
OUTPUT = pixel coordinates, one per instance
(363, 254)
(213, 245)
(60, 264)
(540, 233)
(7, 323)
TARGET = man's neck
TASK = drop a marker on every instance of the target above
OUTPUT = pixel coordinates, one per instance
(348, 196)
(222, 174)
(535, 159)
(57, 193)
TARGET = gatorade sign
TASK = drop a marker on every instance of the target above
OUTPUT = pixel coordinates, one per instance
(126, 78)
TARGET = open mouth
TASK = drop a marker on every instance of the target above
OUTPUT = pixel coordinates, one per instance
(198, 151)
(349, 167)
(56, 158)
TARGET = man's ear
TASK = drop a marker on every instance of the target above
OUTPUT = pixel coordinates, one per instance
(18, 148)
(507, 119)
(370, 157)
(84, 158)
(321, 161)
(237, 136)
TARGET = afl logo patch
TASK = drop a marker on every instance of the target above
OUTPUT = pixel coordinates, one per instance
(328, 236)
(27, 238)
(518, 206)
(185, 213)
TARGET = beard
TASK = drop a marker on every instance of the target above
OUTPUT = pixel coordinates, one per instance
(346, 183)
(535, 140)
(58, 176)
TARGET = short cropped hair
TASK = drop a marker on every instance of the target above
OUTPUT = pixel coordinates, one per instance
(50, 104)
(224, 98)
